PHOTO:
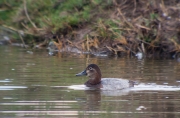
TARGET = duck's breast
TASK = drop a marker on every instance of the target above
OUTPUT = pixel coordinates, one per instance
(114, 83)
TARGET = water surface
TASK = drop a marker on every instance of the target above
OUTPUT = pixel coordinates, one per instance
(33, 84)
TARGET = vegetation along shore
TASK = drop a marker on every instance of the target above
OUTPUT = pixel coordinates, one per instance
(113, 27)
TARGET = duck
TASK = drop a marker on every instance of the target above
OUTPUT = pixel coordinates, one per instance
(96, 81)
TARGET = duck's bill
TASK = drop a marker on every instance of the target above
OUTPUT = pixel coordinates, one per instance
(82, 73)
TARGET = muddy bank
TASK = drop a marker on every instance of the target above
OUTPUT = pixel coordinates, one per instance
(122, 28)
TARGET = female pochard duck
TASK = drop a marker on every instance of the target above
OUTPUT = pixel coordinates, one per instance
(95, 80)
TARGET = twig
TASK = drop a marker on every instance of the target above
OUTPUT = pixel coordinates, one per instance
(147, 43)
(22, 40)
(111, 49)
(135, 4)
(143, 48)
(16, 30)
(131, 50)
(24, 26)
(25, 9)
(87, 43)
(119, 11)
(142, 27)
(158, 34)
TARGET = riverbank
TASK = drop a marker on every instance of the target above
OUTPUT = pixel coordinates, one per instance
(105, 26)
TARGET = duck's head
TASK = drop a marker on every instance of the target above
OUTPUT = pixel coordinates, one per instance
(94, 74)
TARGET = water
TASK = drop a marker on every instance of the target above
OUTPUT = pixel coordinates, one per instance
(33, 84)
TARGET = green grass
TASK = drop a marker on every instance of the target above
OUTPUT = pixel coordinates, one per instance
(53, 14)
(4, 15)
(68, 13)
(7, 9)
(108, 29)
(153, 16)
(50, 15)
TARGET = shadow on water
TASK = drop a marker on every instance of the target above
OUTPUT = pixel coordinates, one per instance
(36, 85)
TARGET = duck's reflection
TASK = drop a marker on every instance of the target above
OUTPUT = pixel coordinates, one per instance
(116, 92)
(93, 98)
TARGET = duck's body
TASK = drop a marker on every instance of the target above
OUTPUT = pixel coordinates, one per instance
(95, 80)
(115, 83)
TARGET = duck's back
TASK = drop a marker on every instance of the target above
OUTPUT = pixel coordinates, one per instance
(115, 83)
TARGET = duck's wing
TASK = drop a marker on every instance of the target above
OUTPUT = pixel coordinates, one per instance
(115, 83)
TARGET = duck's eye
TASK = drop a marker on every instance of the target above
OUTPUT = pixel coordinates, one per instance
(90, 68)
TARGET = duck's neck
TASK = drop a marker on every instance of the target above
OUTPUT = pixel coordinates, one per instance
(96, 80)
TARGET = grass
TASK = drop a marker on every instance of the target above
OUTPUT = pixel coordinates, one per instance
(53, 14)
(129, 22)
(67, 14)
(153, 16)
(108, 29)
(7, 9)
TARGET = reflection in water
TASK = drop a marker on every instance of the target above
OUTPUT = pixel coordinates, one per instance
(36, 85)
(116, 92)
(93, 99)
(103, 92)
(155, 87)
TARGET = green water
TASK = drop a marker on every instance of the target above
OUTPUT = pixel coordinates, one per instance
(36, 85)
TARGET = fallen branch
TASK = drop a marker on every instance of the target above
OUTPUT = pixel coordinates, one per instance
(16, 30)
